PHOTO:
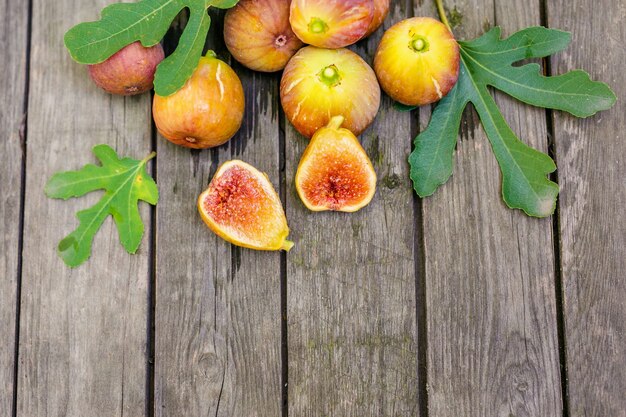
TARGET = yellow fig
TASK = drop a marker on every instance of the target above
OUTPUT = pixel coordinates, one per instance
(320, 83)
(417, 61)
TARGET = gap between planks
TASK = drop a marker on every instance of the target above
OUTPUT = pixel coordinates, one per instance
(20, 243)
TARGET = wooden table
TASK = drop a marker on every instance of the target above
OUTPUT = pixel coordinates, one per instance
(449, 306)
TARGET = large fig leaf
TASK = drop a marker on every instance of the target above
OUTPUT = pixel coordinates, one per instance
(488, 61)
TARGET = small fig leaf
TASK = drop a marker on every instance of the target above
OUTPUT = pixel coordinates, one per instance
(124, 181)
(488, 61)
(146, 21)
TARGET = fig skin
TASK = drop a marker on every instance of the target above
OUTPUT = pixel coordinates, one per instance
(242, 207)
(331, 23)
(334, 172)
(349, 89)
(381, 10)
(417, 61)
(207, 111)
(129, 71)
(258, 34)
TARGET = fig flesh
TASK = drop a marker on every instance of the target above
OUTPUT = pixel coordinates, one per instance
(207, 111)
(258, 34)
(335, 173)
(331, 23)
(241, 206)
(129, 71)
(417, 61)
(319, 83)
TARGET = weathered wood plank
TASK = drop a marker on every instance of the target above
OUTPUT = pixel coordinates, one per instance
(591, 155)
(13, 43)
(351, 284)
(218, 320)
(491, 309)
(83, 331)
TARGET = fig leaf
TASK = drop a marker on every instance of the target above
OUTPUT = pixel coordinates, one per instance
(488, 61)
(124, 181)
(146, 21)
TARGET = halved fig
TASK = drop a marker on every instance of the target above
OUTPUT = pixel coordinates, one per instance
(335, 173)
(241, 206)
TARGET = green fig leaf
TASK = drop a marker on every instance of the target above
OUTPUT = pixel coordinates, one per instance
(146, 21)
(488, 61)
(125, 182)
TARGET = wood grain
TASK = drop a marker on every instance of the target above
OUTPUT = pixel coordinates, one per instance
(14, 44)
(491, 310)
(83, 331)
(351, 284)
(218, 319)
(592, 174)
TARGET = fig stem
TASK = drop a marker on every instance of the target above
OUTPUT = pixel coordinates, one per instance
(442, 14)
(210, 54)
(330, 76)
(287, 245)
(317, 26)
(335, 122)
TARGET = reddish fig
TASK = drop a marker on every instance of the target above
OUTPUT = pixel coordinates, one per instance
(331, 23)
(417, 61)
(381, 10)
(258, 34)
(207, 111)
(129, 71)
(320, 83)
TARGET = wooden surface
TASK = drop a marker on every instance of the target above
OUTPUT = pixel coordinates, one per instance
(218, 343)
(82, 331)
(449, 306)
(490, 297)
(351, 284)
(13, 40)
(591, 155)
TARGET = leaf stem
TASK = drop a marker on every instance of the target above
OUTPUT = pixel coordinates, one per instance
(442, 14)
(149, 157)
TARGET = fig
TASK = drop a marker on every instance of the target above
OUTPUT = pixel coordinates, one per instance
(331, 23)
(381, 10)
(319, 83)
(207, 111)
(335, 172)
(129, 71)
(241, 206)
(258, 35)
(417, 61)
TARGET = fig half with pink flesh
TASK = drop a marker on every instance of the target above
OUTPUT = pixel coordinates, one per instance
(335, 173)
